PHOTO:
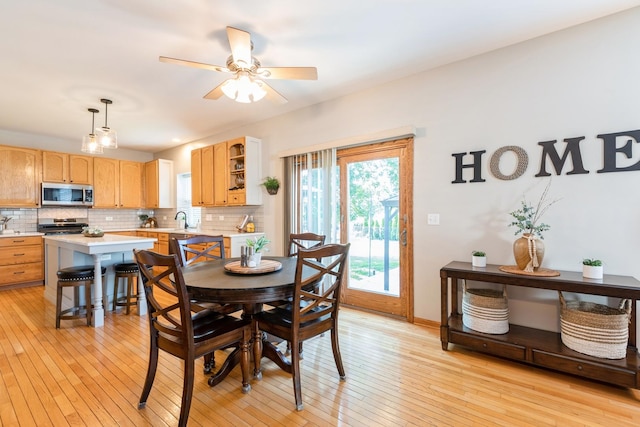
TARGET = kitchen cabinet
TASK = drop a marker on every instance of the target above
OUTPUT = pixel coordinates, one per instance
(244, 171)
(536, 346)
(21, 261)
(67, 168)
(117, 183)
(227, 173)
(20, 177)
(161, 245)
(158, 182)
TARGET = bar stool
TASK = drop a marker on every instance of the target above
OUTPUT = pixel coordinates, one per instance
(76, 277)
(129, 272)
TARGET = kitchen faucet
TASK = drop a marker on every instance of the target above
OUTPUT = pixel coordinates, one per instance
(185, 218)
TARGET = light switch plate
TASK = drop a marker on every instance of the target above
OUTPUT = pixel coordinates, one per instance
(433, 219)
(208, 217)
(221, 218)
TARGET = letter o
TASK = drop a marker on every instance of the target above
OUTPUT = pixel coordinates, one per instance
(522, 157)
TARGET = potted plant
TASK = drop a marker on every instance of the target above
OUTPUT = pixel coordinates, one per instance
(528, 250)
(272, 184)
(258, 244)
(478, 259)
(592, 268)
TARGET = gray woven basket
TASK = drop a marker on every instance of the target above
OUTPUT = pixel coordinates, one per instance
(595, 329)
(485, 310)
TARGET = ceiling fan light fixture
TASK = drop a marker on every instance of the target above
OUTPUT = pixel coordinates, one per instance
(243, 88)
(107, 137)
(90, 142)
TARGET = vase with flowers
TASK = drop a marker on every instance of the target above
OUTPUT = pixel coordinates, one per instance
(528, 250)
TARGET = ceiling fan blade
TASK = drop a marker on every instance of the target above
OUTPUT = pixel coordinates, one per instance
(289, 73)
(273, 95)
(193, 64)
(240, 42)
(215, 93)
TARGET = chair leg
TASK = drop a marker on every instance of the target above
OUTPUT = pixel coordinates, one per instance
(336, 352)
(58, 306)
(295, 371)
(116, 281)
(187, 391)
(151, 373)
(129, 293)
(245, 359)
(209, 362)
(87, 302)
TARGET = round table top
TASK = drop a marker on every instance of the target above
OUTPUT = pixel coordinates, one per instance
(209, 281)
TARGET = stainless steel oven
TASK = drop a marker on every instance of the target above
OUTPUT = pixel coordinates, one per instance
(55, 194)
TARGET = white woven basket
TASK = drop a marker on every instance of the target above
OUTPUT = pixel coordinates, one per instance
(485, 310)
(595, 329)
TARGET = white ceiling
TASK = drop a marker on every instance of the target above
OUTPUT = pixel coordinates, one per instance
(58, 58)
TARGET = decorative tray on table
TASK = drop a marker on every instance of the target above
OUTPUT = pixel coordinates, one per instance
(93, 234)
(266, 266)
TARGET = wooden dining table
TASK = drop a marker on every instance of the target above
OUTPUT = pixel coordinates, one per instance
(210, 282)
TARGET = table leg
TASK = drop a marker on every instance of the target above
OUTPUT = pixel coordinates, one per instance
(98, 308)
(142, 298)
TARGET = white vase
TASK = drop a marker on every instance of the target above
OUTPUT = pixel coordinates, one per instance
(592, 272)
(479, 261)
(254, 260)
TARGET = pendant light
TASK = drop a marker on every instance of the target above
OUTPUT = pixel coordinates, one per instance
(107, 137)
(90, 142)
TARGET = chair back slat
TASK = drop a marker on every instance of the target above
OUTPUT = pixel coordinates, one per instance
(324, 263)
(299, 241)
(188, 254)
(166, 294)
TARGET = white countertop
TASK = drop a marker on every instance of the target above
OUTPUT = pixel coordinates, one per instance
(19, 234)
(106, 240)
(225, 233)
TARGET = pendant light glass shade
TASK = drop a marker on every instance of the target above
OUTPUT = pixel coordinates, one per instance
(90, 142)
(107, 137)
(243, 88)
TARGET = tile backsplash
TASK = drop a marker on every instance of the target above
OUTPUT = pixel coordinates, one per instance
(217, 219)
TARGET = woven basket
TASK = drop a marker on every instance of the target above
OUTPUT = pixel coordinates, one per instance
(485, 310)
(595, 329)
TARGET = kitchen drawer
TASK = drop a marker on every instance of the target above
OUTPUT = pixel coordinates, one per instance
(20, 241)
(237, 198)
(20, 273)
(504, 349)
(163, 237)
(20, 254)
(585, 368)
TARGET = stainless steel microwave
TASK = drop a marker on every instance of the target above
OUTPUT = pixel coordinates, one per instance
(54, 194)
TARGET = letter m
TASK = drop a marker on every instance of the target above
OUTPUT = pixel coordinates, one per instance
(572, 148)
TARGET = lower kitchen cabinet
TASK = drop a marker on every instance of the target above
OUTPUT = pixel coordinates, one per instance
(21, 260)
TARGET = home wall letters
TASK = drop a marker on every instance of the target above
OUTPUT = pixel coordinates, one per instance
(612, 156)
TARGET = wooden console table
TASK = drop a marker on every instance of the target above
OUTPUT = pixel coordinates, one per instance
(535, 346)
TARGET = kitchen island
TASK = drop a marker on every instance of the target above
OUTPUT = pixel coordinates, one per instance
(68, 250)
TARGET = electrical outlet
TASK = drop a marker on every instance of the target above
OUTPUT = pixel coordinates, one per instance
(164, 218)
(208, 217)
(109, 218)
(105, 257)
(433, 219)
(220, 217)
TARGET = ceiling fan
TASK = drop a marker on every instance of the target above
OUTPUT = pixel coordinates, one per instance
(246, 85)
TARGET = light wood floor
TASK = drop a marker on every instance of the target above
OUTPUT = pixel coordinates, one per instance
(397, 375)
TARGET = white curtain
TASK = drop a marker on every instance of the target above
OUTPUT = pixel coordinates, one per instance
(312, 194)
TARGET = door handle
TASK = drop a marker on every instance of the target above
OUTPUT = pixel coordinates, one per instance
(403, 237)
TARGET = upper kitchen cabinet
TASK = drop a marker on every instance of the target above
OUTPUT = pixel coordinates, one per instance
(20, 177)
(67, 168)
(244, 171)
(227, 173)
(158, 180)
(117, 183)
(202, 176)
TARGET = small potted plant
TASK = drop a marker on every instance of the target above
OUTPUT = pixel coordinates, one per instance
(272, 184)
(478, 259)
(259, 244)
(592, 268)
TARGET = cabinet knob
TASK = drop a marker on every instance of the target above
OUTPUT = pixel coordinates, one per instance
(579, 367)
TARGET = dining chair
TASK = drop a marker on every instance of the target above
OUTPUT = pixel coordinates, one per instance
(312, 310)
(175, 329)
(304, 241)
(199, 248)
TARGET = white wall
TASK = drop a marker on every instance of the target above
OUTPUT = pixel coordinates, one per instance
(578, 82)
